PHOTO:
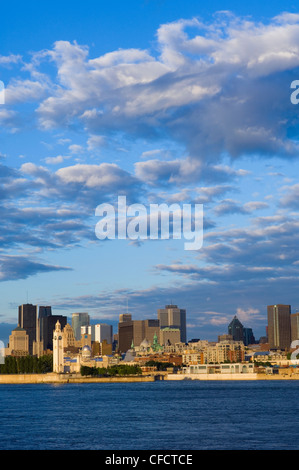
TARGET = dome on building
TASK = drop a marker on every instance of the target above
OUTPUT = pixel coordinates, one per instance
(86, 351)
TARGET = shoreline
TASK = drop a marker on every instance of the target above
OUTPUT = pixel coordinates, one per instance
(231, 377)
(54, 378)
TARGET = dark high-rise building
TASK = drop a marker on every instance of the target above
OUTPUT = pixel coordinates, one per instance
(27, 320)
(44, 311)
(279, 326)
(47, 323)
(173, 317)
(236, 329)
(248, 336)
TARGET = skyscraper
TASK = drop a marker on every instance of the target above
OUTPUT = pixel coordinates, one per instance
(135, 331)
(125, 317)
(248, 336)
(103, 332)
(46, 326)
(44, 311)
(236, 329)
(279, 326)
(78, 320)
(27, 320)
(173, 317)
(294, 326)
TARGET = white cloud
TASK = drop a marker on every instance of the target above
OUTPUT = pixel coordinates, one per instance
(56, 160)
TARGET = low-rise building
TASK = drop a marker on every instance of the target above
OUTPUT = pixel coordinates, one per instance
(18, 343)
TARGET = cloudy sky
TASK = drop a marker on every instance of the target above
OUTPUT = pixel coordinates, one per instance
(163, 102)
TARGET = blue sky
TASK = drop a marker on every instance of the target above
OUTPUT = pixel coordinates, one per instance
(161, 101)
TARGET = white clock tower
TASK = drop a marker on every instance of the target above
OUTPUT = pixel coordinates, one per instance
(58, 360)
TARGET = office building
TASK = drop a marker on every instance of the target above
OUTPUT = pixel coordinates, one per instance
(173, 317)
(18, 342)
(27, 320)
(294, 326)
(101, 349)
(248, 336)
(98, 332)
(236, 330)
(134, 332)
(169, 336)
(88, 330)
(125, 317)
(69, 342)
(78, 320)
(46, 326)
(279, 326)
(103, 332)
(44, 311)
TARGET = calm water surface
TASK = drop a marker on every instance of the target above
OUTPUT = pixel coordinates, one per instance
(181, 415)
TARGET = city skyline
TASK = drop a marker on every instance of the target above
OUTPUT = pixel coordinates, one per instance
(161, 102)
(280, 331)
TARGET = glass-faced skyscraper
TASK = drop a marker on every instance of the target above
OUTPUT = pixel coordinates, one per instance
(78, 320)
(173, 317)
(27, 320)
(236, 330)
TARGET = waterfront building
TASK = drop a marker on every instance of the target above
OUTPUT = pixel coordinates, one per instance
(279, 326)
(78, 320)
(27, 319)
(193, 357)
(174, 359)
(173, 317)
(207, 353)
(232, 351)
(236, 368)
(58, 353)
